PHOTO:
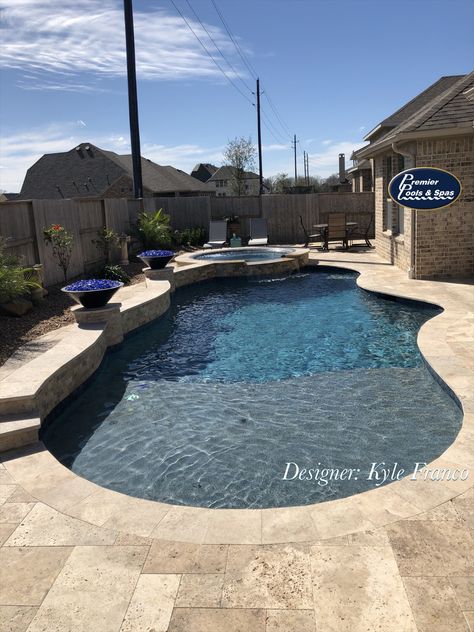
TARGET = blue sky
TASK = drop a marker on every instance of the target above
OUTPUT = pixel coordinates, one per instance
(331, 68)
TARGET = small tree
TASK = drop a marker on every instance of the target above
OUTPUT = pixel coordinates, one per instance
(240, 154)
(62, 243)
(280, 182)
(106, 241)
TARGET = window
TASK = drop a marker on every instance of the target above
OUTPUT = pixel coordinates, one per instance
(393, 216)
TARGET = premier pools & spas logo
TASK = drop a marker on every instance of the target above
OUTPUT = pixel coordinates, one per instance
(423, 188)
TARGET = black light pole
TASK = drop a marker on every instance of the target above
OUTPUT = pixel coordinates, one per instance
(133, 100)
(259, 133)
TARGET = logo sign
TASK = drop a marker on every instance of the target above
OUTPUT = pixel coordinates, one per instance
(424, 188)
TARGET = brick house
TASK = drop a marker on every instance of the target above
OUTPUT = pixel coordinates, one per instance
(435, 129)
(88, 171)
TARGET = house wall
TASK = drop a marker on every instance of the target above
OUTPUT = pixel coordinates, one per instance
(392, 247)
(444, 239)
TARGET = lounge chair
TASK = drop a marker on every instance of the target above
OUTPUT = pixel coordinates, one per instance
(217, 235)
(336, 230)
(258, 232)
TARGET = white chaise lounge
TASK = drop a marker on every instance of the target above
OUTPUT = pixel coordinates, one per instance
(258, 232)
(217, 235)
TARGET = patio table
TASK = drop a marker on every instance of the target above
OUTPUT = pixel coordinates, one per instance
(322, 228)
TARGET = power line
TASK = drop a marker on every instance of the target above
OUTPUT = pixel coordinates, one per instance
(218, 48)
(237, 46)
(273, 131)
(251, 69)
(284, 127)
(209, 54)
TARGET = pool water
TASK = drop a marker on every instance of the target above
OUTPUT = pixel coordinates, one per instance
(207, 405)
(245, 254)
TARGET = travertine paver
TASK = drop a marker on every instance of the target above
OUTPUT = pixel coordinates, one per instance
(16, 618)
(358, 589)
(200, 591)
(27, 573)
(434, 605)
(152, 604)
(217, 620)
(183, 557)
(294, 620)
(268, 577)
(399, 559)
(44, 526)
(93, 590)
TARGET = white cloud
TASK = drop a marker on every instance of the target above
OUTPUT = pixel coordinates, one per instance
(54, 45)
(327, 162)
(80, 123)
(20, 150)
(327, 142)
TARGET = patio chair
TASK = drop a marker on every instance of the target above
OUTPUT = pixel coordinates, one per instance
(362, 234)
(258, 232)
(217, 235)
(336, 230)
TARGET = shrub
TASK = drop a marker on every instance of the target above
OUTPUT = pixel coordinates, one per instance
(15, 281)
(115, 273)
(106, 241)
(62, 242)
(193, 237)
(154, 230)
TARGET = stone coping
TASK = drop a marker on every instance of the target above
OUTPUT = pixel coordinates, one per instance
(446, 342)
(190, 257)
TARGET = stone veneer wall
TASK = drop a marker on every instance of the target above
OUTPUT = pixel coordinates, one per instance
(444, 239)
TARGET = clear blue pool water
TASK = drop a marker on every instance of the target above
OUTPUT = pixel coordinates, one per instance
(245, 254)
(207, 405)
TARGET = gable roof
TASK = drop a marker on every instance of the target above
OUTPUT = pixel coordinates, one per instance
(227, 172)
(449, 109)
(88, 171)
(415, 104)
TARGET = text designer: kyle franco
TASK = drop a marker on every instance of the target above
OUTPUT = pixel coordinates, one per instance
(380, 473)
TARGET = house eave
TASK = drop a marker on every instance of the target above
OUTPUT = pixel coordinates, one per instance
(458, 130)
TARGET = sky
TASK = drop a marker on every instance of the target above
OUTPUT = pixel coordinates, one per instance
(330, 71)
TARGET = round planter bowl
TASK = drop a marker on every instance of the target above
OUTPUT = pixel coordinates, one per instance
(156, 259)
(92, 293)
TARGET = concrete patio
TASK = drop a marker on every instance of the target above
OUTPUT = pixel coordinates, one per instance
(401, 558)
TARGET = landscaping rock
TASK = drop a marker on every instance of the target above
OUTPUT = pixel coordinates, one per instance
(18, 307)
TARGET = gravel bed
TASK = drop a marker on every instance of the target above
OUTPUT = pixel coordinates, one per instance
(53, 312)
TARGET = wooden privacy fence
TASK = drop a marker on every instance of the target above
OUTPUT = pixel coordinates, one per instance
(22, 222)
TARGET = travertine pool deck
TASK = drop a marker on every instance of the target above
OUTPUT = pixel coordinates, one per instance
(76, 556)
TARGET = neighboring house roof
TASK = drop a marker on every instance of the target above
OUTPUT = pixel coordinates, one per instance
(88, 171)
(227, 172)
(362, 164)
(449, 109)
(203, 171)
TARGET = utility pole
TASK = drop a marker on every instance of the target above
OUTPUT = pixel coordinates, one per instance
(304, 167)
(133, 100)
(296, 169)
(259, 133)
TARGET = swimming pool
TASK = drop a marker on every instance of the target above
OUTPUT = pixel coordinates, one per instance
(244, 254)
(209, 404)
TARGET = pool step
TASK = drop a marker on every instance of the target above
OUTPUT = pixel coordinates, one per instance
(17, 431)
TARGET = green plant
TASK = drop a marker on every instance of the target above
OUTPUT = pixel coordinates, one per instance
(106, 241)
(62, 243)
(193, 236)
(15, 280)
(154, 230)
(115, 273)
